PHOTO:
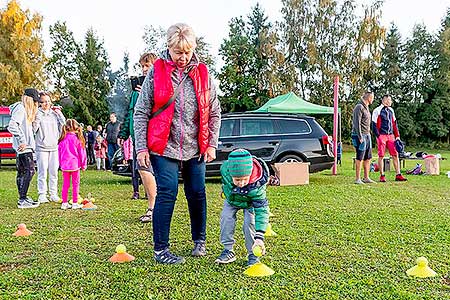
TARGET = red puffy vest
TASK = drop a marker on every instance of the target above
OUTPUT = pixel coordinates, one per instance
(158, 130)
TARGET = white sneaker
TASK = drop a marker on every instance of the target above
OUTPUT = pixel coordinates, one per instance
(76, 206)
(55, 198)
(368, 180)
(42, 198)
(65, 206)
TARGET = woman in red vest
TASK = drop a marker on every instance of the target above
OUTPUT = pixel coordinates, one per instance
(176, 122)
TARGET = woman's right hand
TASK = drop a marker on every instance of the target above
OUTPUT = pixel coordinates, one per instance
(143, 159)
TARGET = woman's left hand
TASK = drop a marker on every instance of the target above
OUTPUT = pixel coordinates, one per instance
(210, 154)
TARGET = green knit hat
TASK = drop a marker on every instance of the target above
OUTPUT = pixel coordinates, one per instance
(240, 163)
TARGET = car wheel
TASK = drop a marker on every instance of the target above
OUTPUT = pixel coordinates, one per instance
(290, 158)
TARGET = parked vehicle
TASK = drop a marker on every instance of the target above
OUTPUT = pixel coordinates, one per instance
(6, 149)
(273, 137)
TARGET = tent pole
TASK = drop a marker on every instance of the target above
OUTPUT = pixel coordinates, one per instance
(335, 124)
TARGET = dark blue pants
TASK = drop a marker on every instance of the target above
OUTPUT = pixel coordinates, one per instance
(25, 172)
(112, 148)
(166, 173)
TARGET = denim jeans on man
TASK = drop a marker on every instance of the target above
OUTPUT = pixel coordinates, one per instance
(112, 148)
(166, 174)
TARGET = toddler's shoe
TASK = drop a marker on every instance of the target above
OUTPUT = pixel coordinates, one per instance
(166, 257)
(65, 205)
(252, 259)
(76, 205)
(226, 257)
(42, 198)
(135, 196)
(199, 249)
(382, 178)
(358, 181)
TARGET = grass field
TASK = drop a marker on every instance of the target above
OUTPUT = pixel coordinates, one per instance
(336, 240)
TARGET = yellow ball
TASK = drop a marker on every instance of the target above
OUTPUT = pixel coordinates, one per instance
(422, 261)
(121, 248)
(92, 200)
(257, 251)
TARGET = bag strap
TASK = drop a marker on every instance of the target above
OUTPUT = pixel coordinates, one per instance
(167, 104)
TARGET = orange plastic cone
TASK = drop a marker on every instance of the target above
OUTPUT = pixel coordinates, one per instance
(89, 206)
(121, 255)
(22, 230)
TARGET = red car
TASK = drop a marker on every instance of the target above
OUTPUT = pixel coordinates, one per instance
(6, 149)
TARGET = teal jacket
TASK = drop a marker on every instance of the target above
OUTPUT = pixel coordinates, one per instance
(252, 196)
(128, 125)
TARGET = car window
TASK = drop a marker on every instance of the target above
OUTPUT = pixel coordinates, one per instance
(4, 121)
(227, 128)
(257, 127)
(294, 126)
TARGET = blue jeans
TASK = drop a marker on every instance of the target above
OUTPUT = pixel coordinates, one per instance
(166, 174)
(112, 148)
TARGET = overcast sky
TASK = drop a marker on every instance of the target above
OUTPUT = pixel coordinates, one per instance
(121, 23)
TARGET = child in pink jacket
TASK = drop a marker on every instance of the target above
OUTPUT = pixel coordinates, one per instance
(72, 158)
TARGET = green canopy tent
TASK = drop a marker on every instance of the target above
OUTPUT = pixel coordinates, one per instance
(291, 103)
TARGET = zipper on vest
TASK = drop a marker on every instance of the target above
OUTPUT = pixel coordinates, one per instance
(181, 113)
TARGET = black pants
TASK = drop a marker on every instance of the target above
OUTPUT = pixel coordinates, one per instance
(25, 172)
(90, 154)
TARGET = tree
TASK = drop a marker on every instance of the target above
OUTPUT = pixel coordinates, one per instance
(90, 89)
(21, 54)
(61, 65)
(443, 73)
(254, 68)
(324, 39)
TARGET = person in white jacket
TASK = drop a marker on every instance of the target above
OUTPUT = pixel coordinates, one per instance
(47, 128)
(23, 114)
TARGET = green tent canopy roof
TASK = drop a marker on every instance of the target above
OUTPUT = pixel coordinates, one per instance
(291, 103)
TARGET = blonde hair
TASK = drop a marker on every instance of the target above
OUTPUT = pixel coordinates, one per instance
(182, 36)
(147, 58)
(73, 126)
(30, 108)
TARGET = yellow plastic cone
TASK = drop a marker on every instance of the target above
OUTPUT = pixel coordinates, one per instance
(121, 255)
(258, 270)
(422, 269)
(269, 231)
(22, 230)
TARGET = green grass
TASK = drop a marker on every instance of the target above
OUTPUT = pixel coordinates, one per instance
(336, 240)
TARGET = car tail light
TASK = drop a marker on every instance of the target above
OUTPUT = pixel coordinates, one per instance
(326, 140)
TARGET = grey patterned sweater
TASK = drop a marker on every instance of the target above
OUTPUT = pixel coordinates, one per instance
(183, 138)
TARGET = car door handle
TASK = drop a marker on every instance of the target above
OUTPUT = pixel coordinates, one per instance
(274, 143)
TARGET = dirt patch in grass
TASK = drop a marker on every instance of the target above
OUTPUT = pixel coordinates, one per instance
(10, 266)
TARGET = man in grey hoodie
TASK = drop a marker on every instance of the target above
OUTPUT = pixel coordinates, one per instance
(47, 127)
(23, 114)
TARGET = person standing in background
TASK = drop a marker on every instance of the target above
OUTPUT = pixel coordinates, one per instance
(47, 128)
(361, 139)
(20, 126)
(112, 132)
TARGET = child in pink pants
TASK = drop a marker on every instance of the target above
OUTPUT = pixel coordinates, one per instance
(72, 158)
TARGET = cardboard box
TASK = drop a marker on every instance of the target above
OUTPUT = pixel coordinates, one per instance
(432, 165)
(292, 173)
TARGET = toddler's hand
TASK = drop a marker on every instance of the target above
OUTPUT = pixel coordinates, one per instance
(259, 243)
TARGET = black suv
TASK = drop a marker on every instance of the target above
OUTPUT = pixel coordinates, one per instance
(270, 136)
(274, 138)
